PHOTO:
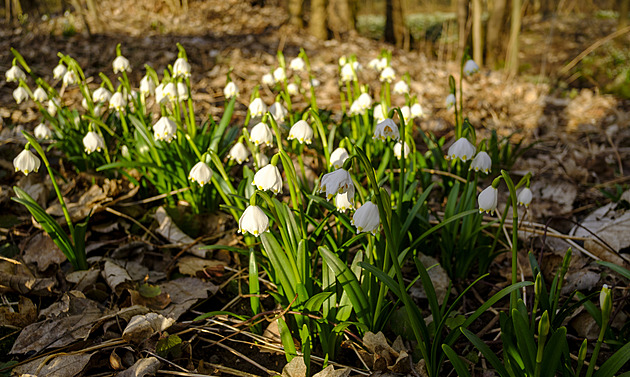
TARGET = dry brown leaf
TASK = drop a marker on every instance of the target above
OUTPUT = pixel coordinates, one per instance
(295, 368)
(116, 277)
(141, 327)
(141, 368)
(171, 232)
(438, 276)
(42, 251)
(56, 366)
(330, 371)
(26, 314)
(158, 302)
(190, 265)
(83, 278)
(184, 293)
(28, 285)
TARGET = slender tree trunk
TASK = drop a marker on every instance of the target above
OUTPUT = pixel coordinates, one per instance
(317, 24)
(476, 32)
(515, 30)
(462, 17)
(295, 13)
(394, 22)
(340, 16)
(623, 14)
(493, 34)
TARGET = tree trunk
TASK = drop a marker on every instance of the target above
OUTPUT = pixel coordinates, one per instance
(476, 32)
(462, 18)
(515, 30)
(340, 16)
(496, 21)
(623, 14)
(317, 24)
(394, 22)
(295, 13)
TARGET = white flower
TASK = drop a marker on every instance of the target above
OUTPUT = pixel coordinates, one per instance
(261, 134)
(40, 95)
(462, 149)
(314, 83)
(268, 79)
(343, 203)
(26, 162)
(488, 200)
(165, 129)
(387, 74)
(278, 112)
(364, 101)
(261, 160)
(383, 63)
(238, 153)
(170, 91)
(120, 64)
(160, 96)
(398, 150)
(482, 161)
(20, 94)
(292, 89)
(470, 67)
(93, 142)
(42, 132)
(338, 157)
(379, 114)
(367, 218)
(279, 74)
(124, 151)
(59, 71)
(301, 131)
(297, 64)
(52, 106)
(200, 173)
(257, 108)
(254, 221)
(450, 101)
(147, 86)
(417, 111)
(375, 64)
(406, 113)
(181, 68)
(84, 103)
(69, 78)
(117, 102)
(401, 87)
(357, 66)
(347, 73)
(268, 178)
(337, 182)
(101, 95)
(524, 197)
(385, 129)
(231, 90)
(182, 91)
(343, 60)
(14, 74)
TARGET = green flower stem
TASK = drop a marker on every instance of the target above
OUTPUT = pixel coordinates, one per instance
(192, 127)
(388, 100)
(367, 126)
(600, 340)
(321, 131)
(193, 146)
(402, 179)
(349, 94)
(123, 121)
(510, 184)
(219, 166)
(460, 120)
(294, 187)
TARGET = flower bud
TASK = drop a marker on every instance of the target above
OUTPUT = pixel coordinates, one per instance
(605, 303)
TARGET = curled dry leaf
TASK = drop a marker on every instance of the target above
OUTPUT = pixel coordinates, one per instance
(116, 277)
(330, 371)
(28, 285)
(142, 367)
(62, 365)
(26, 314)
(142, 327)
(171, 232)
(384, 357)
(190, 265)
(184, 293)
(295, 368)
(42, 251)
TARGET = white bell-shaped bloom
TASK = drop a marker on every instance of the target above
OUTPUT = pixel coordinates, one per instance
(59, 71)
(117, 102)
(398, 150)
(367, 218)
(302, 132)
(257, 108)
(165, 129)
(417, 111)
(470, 67)
(200, 173)
(52, 106)
(356, 66)
(238, 153)
(268, 79)
(387, 74)
(121, 64)
(14, 74)
(279, 74)
(524, 197)
(401, 87)
(379, 114)
(84, 104)
(355, 109)
(385, 129)
(461, 149)
(170, 91)
(375, 64)
(42, 132)
(314, 82)
(101, 95)
(253, 221)
(20, 94)
(364, 101)
(231, 90)
(268, 178)
(347, 73)
(26, 162)
(383, 63)
(293, 89)
(147, 86)
(93, 142)
(297, 64)
(124, 151)
(182, 91)
(181, 68)
(343, 202)
(336, 182)
(450, 101)
(160, 96)
(278, 112)
(338, 157)
(261, 134)
(261, 160)
(406, 113)
(482, 161)
(343, 60)
(40, 95)
(69, 78)
(488, 200)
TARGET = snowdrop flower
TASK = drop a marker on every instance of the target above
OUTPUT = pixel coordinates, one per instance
(301, 131)
(182, 91)
(450, 101)
(338, 157)
(238, 153)
(181, 68)
(170, 91)
(482, 161)
(253, 221)
(462, 149)
(52, 106)
(278, 112)
(42, 132)
(314, 82)
(375, 64)
(417, 111)
(93, 142)
(297, 64)
(470, 67)
(292, 89)
(343, 60)
(261, 134)
(355, 109)
(398, 150)
(26, 162)
(40, 95)
(59, 71)
(605, 302)
(343, 203)
(160, 96)
(69, 78)
(367, 218)
(336, 182)
(165, 129)
(268, 178)
(347, 73)
(231, 90)
(524, 197)
(488, 200)
(117, 102)
(385, 129)
(379, 114)
(261, 160)
(257, 108)
(20, 94)
(406, 113)
(401, 87)
(200, 173)
(383, 63)
(84, 103)
(387, 74)
(120, 64)
(124, 151)
(101, 95)
(364, 101)
(15, 74)
(268, 79)
(147, 86)
(357, 66)
(279, 74)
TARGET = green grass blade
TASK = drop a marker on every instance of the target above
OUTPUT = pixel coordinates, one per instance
(458, 364)
(615, 362)
(487, 352)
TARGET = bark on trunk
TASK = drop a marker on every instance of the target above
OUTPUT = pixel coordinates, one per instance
(462, 18)
(394, 22)
(515, 30)
(317, 24)
(476, 32)
(496, 21)
(295, 13)
(624, 6)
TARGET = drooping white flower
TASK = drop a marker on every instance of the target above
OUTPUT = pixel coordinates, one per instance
(488, 200)
(278, 112)
(356, 66)
(253, 221)
(367, 218)
(450, 101)
(297, 64)
(401, 87)
(268, 178)
(379, 114)
(525, 197)
(342, 60)
(375, 64)
(170, 91)
(59, 71)
(93, 142)
(337, 182)
(257, 108)
(231, 90)
(200, 173)
(348, 73)
(42, 132)
(383, 63)
(20, 94)
(364, 101)
(343, 203)
(238, 153)
(26, 162)
(470, 67)
(69, 78)
(338, 157)
(261, 134)
(387, 74)
(147, 86)
(302, 132)
(482, 161)
(261, 160)
(279, 74)
(398, 150)
(292, 89)
(14, 74)
(101, 95)
(160, 96)
(385, 129)
(84, 103)
(406, 113)
(181, 68)
(52, 106)
(268, 79)
(165, 129)
(182, 91)
(417, 111)
(120, 64)
(117, 102)
(40, 95)
(314, 82)
(461, 149)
